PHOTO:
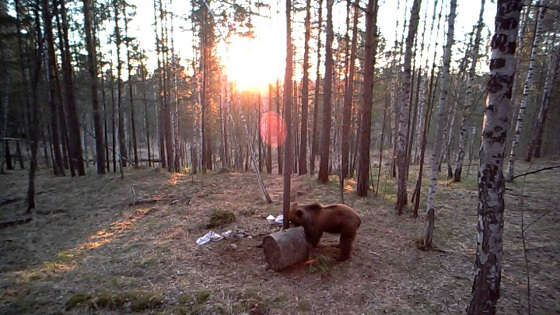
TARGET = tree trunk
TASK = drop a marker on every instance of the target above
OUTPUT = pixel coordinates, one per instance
(130, 92)
(92, 68)
(34, 111)
(348, 95)
(466, 111)
(367, 97)
(551, 78)
(285, 248)
(443, 90)
(74, 141)
(491, 184)
(123, 155)
(404, 112)
(288, 116)
(326, 126)
(279, 131)
(305, 92)
(55, 103)
(314, 131)
(268, 135)
(528, 85)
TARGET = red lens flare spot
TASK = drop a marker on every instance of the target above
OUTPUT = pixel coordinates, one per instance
(272, 129)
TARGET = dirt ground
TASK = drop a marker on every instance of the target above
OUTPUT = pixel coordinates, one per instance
(87, 250)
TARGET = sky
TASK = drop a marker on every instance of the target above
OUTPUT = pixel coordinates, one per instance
(262, 58)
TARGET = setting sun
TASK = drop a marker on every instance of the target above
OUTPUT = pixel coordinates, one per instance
(253, 63)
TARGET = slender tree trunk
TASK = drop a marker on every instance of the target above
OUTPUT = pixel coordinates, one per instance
(34, 111)
(529, 83)
(130, 90)
(326, 127)
(387, 102)
(54, 101)
(469, 100)
(491, 184)
(305, 92)
(404, 112)
(74, 141)
(268, 134)
(105, 127)
(367, 97)
(348, 95)
(113, 125)
(551, 78)
(123, 155)
(279, 131)
(92, 68)
(314, 131)
(288, 115)
(443, 90)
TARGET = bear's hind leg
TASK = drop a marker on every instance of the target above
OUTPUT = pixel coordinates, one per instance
(346, 240)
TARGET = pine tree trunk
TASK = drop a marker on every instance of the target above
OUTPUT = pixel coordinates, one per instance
(528, 85)
(348, 95)
(326, 125)
(113, 125)
(268, 134)
(315, 136)
(406, 86)
(367, 98)
(279, 131)
(74, 141)
(105, 127)
(92, 68)
(55, 103)
(443, 90)
(469, 100)
(491, 184)
(288, 116)
(34, 111)
(305, 92)
(123, 155)
(130, 93)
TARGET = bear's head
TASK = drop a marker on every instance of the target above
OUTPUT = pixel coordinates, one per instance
(296, 214)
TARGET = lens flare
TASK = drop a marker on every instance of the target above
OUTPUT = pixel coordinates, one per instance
(272, 129)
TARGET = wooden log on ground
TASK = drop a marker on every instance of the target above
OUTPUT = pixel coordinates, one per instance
(285, 248)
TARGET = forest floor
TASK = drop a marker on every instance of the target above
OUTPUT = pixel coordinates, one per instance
(87, 250)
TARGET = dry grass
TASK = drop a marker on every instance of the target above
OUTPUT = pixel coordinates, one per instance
(90, 251)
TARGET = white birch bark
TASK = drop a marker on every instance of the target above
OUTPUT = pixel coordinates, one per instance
(466, 111)
(528, 85)
(491, 184)
(406, 88)
(436, 151)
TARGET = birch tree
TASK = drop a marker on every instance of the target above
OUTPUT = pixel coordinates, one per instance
(436, 151)
(551, 78)
(402, 143)
(491, 185)
(466, 111)
(527, 86)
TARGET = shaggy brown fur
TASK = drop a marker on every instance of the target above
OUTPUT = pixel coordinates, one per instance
(337, 219)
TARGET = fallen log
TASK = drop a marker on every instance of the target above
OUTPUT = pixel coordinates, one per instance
(144, 201)
(285, 248)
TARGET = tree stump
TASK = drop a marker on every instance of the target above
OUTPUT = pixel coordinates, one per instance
(285, 248)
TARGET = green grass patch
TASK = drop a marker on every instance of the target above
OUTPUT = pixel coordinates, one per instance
(322, 265)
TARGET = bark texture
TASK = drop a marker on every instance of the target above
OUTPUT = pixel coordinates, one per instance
(436, 152)
(491, 185)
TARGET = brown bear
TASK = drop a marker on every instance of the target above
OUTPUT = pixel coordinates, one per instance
(336, 218)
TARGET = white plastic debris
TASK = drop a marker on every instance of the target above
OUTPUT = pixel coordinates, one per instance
(275, 220)
(210, 236)
(279, 219)
(270, 219)
(227, 233)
